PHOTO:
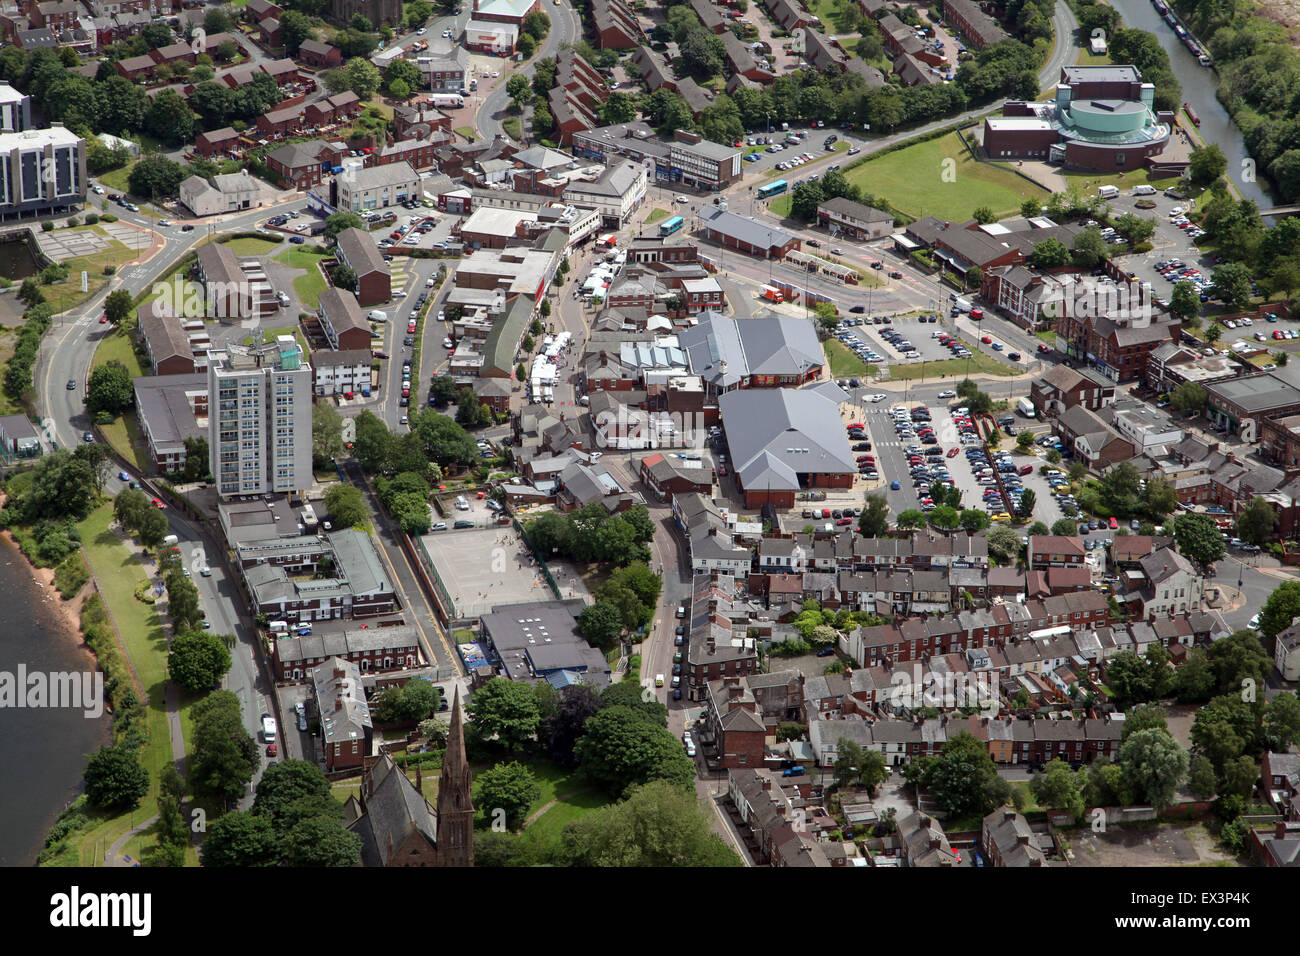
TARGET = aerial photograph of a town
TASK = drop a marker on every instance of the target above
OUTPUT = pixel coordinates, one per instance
(649, 433)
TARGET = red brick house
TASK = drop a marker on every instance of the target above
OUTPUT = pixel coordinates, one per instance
(219, 142)
(321, 56)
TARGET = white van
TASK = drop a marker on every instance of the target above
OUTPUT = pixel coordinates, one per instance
(278, 627)
(1144, 190)
(171, 541)
(1025, 407)
(1107, 192)
(377, 316)
(268, 729)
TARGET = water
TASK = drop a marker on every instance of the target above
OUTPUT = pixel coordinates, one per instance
(16, 260)
(1199, 83)
(43, 752)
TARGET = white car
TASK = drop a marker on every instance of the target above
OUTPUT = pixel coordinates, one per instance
(98, 190)
(421, 32)
(1254, 623)
(448, 344)
(164, 222)
(879, 397)
(683, 199)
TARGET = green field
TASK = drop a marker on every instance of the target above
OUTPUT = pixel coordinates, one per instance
(312, 284)
(843, 362)
(118, 347)
(466, 133)
(270, 335)
(118, 574)
(656, 215)
(252, 246)
(67, 294)
(116, 178)
(919, 180)
(833, 14)
(513, 127)
(1087, 183)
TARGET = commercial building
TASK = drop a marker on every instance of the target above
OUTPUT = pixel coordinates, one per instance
(1116, 347)
(686, 158)
(1102, 119)
(746, 235)
(616, 195)
(532, 642)
(374, 187)
(853, 220)
(784, 441)
(731, 354)
(259, 429)
(42, 171)
(226, 192)
(1240, 404)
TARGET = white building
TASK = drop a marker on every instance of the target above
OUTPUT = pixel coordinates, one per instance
(41, 171)
(336, 372)
(618, 193)
(259, 421)
(231, 191)
(15, 110)
(376, 187)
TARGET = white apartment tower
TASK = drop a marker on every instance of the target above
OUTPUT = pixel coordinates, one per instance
(259, 422)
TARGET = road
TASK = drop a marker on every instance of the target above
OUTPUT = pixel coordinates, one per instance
(564, 29)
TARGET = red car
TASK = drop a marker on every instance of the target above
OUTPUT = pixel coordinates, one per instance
(406, 393)
(977, 313)
(1043, 347)
(270, 750)
(952, 452)
(987, 340)
(856, 425)
(826, 512)
(844, 521)
(1113, 524)
(158, 503)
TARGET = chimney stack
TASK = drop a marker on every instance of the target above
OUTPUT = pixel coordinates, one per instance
(1022, 839)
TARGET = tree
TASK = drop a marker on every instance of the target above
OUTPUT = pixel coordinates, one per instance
(321, 841)
(1237, 659)
(224, 753)
(506, 711)
(601, 624)
(197, 660)
(151, 527)
(1230, 282)
(344, 277)
(828, 317)
(1194, 680)
(1282, 722)
(964, 780)
(561, 730)
(1153, 766)
(1058, 787)
(699, 54)
(1206, 164)
(1028, 500)
(196, 458)
(1280, 609)
(1049, 254)
(117, 306)
(658, 825)
(337, 222)
(361, 77)
(619, 108)
(519, 90)
(1088, 249)
(911, 518)
(1105, 785)
(443, 440)
(1213, 333)
(326, 434)
(1257, 523)
(115, 780)
(1004, 544)
(240, 840)
(129, 506)
(1201, 779)
(287, 790)
(537, 24)
(1135, 229)
(170, 119)
(619, 748)
(1198, 538)
(1185, 302)
(1134, 680)
(345, 506)
(525, 46)
(155, 176)
(1188, 397)
(1024, 441)
(110, 389)
(507, 789)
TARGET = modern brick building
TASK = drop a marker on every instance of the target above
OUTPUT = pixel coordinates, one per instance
(356, 249)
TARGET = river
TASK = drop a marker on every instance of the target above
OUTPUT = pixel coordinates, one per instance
(1199, 83)
(43, 752)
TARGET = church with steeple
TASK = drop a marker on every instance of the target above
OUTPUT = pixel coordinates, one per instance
(397, 825)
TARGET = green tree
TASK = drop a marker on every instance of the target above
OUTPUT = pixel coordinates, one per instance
(1185, 302)
(170, 119)
(319, 842)
(345, 506)
(658, 825)
(344, 277)
(361, 77)
(506, 711)
(1207, 163)
(1230, 282)
(117, 306)
(1058, 787)
(1134, 680)
(1049, 254)
(964, 780)
(337, 222)
(224, 753)
(1257, 522)
(1004, 544)
(910, 518)
(1135, 229)
(508, 789)
(326, 434)
(1238, 659)
(289, 789)
(1282, 722)
(1280, 609)
(151, 527)
(619, 748)
(115, 780)
(601, 624)
(110, 389)
(1198, 538)
(1088, 249)
(1201, 779)
(1188, 398)
(984, 215)
(240, 840)
(197, 660)
(519, 91)
(155, 176)
(1153, 765)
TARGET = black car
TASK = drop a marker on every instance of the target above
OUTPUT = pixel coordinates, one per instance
(895, 274)
(859, 309)
(409, 340)
(297, 240)
(826, 652)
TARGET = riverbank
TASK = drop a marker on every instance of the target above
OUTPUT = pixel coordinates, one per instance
(67, 612)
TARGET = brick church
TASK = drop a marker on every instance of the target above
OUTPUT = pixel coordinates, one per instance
(397, 825)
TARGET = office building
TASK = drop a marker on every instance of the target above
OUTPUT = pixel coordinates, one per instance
(42, 171)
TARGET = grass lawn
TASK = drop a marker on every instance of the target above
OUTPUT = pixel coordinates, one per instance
(914, 182)
(1088, 182)
(463, 636)
(844, 364)
(978, 363)
(67, 294)
(656, 215)
(116, 178)
(780, 206)
(513, 127)
(1047, 335)
(1088, 58)
(466, 132)
(832, 15)
(251, 246)
(118, 574)
(309, 287)
(117, 347)
(300, 257)
(124, 437)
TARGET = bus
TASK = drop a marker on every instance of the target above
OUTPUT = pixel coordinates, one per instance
(671, 226)
(772, 189)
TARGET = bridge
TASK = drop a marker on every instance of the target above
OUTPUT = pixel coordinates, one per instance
(1280, 211)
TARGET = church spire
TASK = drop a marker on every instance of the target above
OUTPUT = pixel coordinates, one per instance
(455, 801)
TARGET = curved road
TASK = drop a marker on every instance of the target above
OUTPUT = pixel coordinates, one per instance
(564, 29)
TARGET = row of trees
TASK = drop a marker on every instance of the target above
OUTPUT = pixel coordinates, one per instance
(432, 439)
(626, 601)
(593, 534)
(406, 496)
